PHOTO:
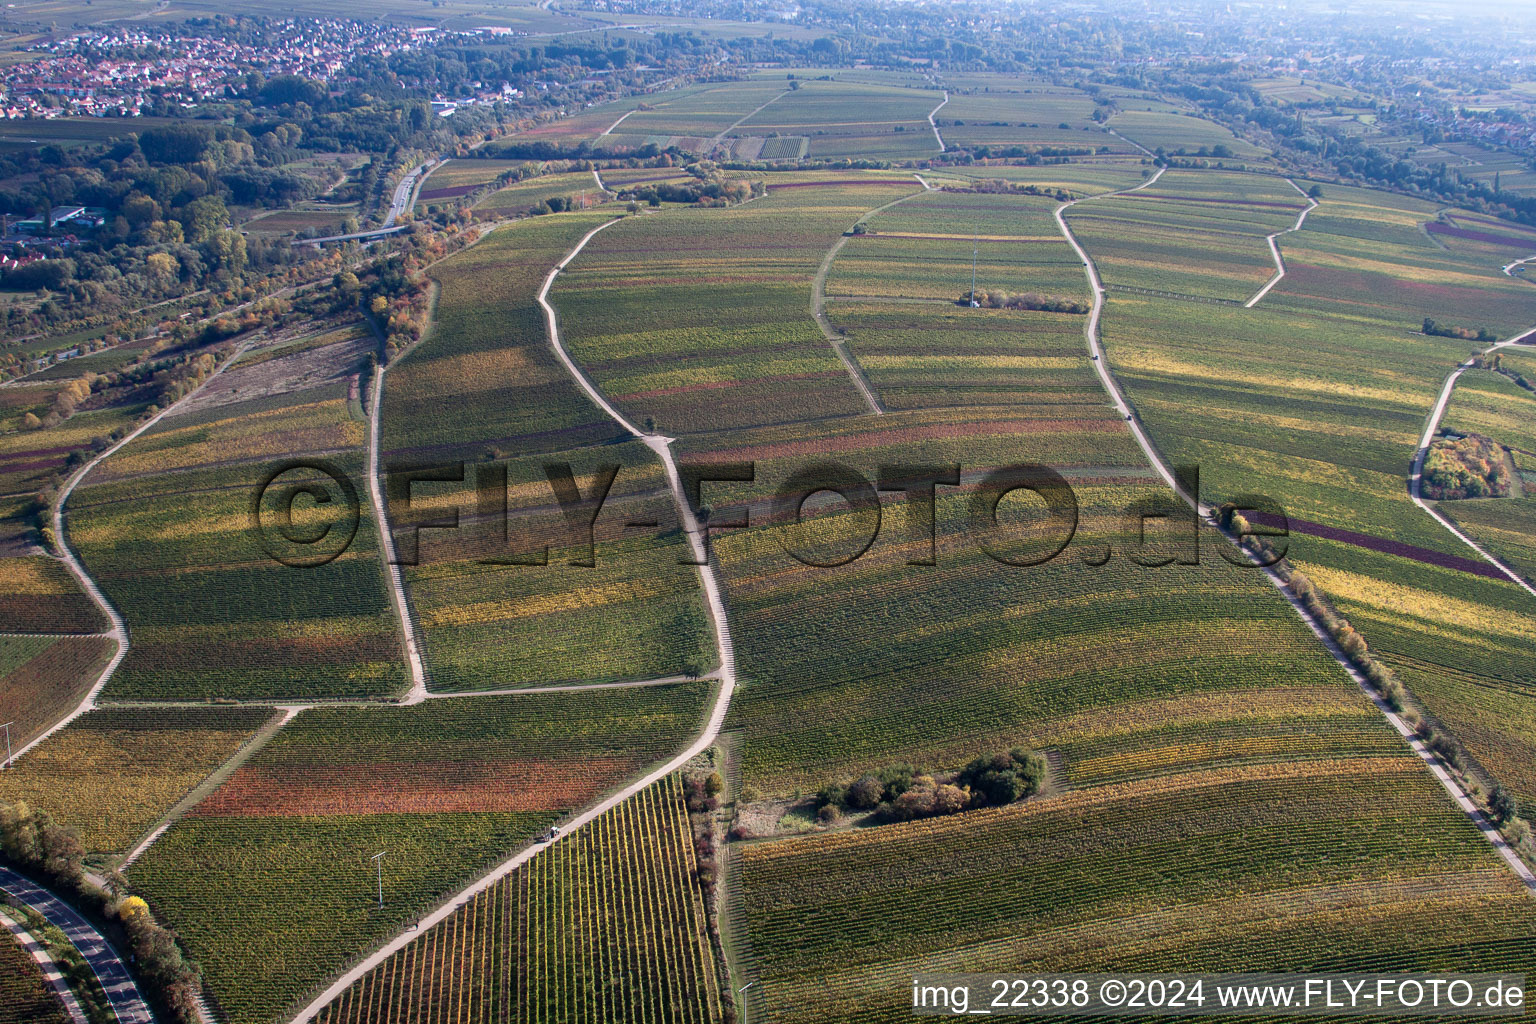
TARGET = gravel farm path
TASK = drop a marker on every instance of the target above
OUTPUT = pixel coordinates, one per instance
(394, 574)
(934, 125)
(1509, 268)
(819, 305)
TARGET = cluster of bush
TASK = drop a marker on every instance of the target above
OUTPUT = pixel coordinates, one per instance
(997, 299)
(1000, 186)
(900, 792)
(704, 193)
(64, 403)
(702, 792)
(52, 855)
(1466, 467)
(1465, 333)
(398, 301)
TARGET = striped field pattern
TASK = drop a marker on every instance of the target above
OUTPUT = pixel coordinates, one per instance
(606, 925)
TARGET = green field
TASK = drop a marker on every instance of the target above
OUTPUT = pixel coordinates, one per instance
(923, 248)
(111, 774)
(850, 119)
(918, 398)
(1493, 405)
(165, 526)
(607, 925)
(1317, 397)
(486, 388)
(520, 198)
(72, 131)
(1189, 233)
(1179, 133)
(456, 177)
(726, 340)
(25, 995)
(1338, 865)
(43, 679)
(270, 882)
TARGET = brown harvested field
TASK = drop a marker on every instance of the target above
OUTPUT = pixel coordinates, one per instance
(330, 356)
(424, 787)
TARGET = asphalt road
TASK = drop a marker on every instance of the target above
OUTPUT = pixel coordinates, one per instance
(109, 967)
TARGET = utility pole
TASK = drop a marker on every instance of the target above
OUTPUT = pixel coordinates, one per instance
(379, 863)
(975, 248)
(7, 728)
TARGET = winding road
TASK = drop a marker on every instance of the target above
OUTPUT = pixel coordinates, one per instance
(1100, 365)
(1274, 247)
(110, 970)
(725, 674)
